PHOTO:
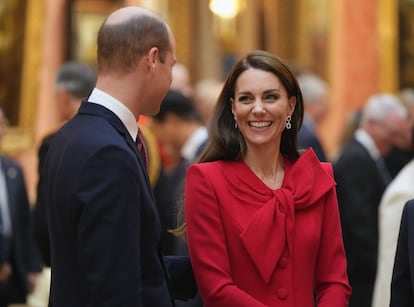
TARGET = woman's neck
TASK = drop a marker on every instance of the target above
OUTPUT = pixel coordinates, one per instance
(268, 167)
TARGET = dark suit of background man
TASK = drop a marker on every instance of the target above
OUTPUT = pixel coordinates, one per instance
(74, 82)
(361, 178)
(402, 285)
(103, 222)
(315, 99)
(19, 261)
(181, 133)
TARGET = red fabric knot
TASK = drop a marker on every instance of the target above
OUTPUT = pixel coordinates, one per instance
(142, 149)
(305, 182)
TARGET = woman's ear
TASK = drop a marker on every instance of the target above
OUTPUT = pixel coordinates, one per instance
(292, 105)
(232, 105)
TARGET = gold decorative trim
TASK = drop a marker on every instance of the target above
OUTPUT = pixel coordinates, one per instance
(15, 141)
(388, 45)
(21, 137)
(182, 24)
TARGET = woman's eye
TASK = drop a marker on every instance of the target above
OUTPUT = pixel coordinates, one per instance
(272, 97)
(244, 99)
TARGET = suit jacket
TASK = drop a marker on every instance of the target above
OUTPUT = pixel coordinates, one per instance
(254, 246)
(39, 221)
(402, 285)
(23, 256)
(103, 222)
(307, 137)
(170, 193)
(396, 159)
(359, 188)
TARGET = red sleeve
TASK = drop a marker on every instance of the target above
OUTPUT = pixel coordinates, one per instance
(332, 284)
(207, 244)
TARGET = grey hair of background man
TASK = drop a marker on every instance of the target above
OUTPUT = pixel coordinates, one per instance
(312, 87)
(407, 96)
(76, 78)
(379, 107)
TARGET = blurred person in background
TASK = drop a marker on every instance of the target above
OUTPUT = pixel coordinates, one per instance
(362, 177)
(398, 192)
(403, 151)
(19, 259)
(206, 93)
(74, 82)
(181, 80)
(179, 128)
(315, 99)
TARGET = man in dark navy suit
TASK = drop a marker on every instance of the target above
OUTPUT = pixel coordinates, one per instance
(19, 261)
(361, 178)
(180, 129)
(182, 134)
(315, 99)
(103, 221)
(74, 82)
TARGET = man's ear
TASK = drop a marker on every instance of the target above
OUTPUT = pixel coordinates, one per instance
(153, 56)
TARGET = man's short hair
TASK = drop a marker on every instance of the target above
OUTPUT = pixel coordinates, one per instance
(76, 78)
(312, 87)
(379, 106)
(121, 45)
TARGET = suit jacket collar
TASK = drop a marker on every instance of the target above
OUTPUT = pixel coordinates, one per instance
(88, 108)
(118, 108)
(368, 143)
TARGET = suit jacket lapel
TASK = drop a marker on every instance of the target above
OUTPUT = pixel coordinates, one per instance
(96, 109)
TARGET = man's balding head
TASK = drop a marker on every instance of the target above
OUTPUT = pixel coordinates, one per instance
(126, 35)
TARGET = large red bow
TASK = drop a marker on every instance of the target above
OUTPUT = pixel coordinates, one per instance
(270, 230)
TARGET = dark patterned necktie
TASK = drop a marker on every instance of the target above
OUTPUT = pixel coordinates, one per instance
(142, 148)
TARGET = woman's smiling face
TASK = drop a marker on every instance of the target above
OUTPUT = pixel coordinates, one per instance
(261, 106)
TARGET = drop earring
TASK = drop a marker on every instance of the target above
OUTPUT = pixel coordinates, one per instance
(288, 124)
(235, 122)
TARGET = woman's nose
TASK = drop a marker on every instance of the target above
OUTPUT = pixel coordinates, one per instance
(258, 107)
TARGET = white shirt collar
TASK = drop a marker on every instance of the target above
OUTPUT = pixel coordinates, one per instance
(366, 140)
(121, 111)
(190, 147)
(4, 205)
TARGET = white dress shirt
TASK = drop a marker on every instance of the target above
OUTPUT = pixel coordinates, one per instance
(4, 204)
(190, 147)
(120, 110)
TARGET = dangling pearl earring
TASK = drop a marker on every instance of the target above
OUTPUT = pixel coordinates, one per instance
(235, 122)
(288, 124)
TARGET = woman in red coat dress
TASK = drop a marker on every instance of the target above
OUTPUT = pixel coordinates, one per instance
(262, 219)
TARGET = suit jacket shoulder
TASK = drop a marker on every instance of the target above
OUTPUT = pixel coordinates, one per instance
(402, 293)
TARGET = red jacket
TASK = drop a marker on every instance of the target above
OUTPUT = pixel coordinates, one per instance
(254, 246)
